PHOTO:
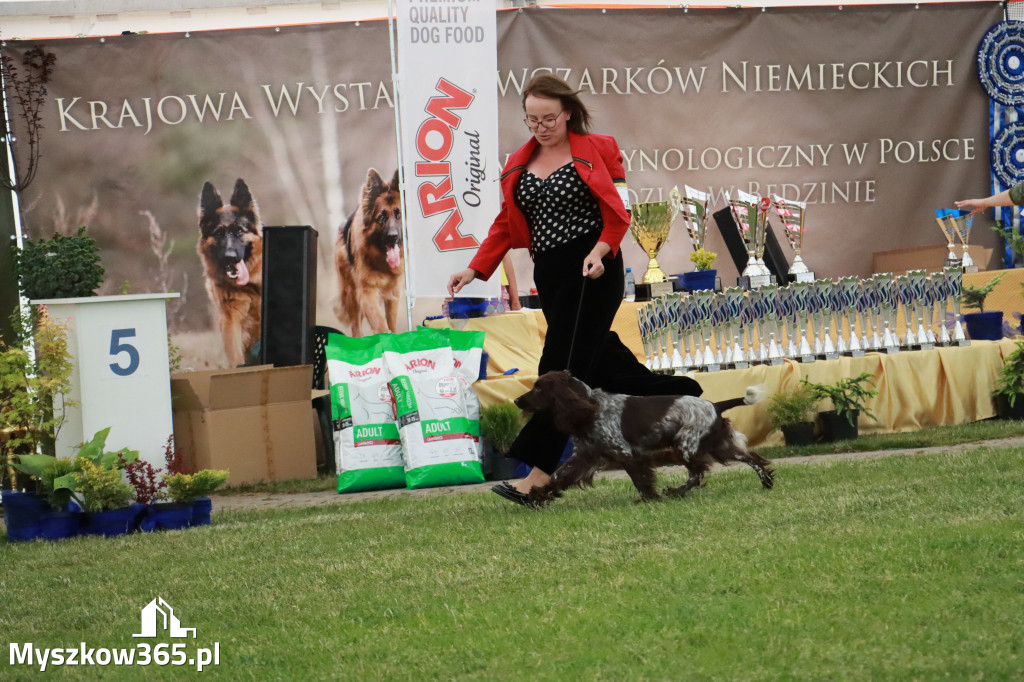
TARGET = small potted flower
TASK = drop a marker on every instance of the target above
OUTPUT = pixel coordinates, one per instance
(194, 490)
(56, 482)
(704, 276)
(982, 325)
(792, 412)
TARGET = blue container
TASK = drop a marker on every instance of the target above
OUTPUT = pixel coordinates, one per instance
(170, 516)
(58, 525)
(201, 509)
(462, 308)
(111, 523)
(23, 515)
(699, 279)
(984, 326)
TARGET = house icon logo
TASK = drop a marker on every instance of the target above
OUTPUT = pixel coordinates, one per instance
(158, 614)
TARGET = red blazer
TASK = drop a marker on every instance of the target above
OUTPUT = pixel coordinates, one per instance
(598, 161)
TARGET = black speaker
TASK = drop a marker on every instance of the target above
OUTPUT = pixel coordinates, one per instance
(774, 258)
(289, 295)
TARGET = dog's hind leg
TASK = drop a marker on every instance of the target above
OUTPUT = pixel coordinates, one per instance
(763, 468)
(644, 478)
(575, 471)
(695, 480)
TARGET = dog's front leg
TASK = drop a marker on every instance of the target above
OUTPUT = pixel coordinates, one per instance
(644, 478)
(373, 311)
(572, 472)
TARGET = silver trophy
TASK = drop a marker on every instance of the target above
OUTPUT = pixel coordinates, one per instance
(849, 300)
(963, 232)
(885, 288)
(792, 215)
(704, 304)
(802, 314)
(925, 339)
(733, 301)
(823, 291)
(948, 227)
(772, 319)
(954, 287)
(751, 221)
(694, 209)
(905, 298)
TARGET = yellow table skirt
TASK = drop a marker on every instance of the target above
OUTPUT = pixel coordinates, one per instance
(916, 389)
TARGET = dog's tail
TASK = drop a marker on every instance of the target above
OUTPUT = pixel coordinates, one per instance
(753, 394)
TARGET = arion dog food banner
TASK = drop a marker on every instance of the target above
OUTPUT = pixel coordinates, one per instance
(872, 115)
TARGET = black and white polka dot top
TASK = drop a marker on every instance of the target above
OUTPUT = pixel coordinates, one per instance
(559, 209)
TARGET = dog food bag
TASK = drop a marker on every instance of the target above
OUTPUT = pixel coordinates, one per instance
(367, 447)
(437, 439)
(467, 352)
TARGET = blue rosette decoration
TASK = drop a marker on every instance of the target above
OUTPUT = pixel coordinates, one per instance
(1001, 63)
(1007, 151)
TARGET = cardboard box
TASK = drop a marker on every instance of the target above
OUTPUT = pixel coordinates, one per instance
(256, 422)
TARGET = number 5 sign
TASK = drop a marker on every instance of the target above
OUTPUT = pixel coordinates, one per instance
(121, 377)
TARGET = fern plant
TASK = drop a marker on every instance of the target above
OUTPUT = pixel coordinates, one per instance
(974, 296)
(1010, 380)
(848, 395)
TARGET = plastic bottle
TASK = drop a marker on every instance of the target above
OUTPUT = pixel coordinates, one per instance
(630, 285)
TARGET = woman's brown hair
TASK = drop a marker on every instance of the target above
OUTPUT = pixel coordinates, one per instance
(553, 87)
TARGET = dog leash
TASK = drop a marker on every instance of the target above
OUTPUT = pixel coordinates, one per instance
(576, 324)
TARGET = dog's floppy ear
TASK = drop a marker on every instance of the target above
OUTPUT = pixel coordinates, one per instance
(575, 410)
(209, 203)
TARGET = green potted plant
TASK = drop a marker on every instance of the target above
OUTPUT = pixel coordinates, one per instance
(1009, 392)
(849, 397)
(704, 276)
(499, 425)
(792, 412)
(982, 325)
(33, 399)
(64, 266)
(194, 490)
(106, 500)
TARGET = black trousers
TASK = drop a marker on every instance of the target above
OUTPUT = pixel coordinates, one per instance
(579, 312)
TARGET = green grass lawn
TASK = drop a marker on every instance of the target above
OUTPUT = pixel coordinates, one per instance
(904, 568)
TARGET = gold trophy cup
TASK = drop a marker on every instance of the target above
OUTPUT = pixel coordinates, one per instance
(649, 224)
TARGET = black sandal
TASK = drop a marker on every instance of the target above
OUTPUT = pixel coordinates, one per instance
(511, 494)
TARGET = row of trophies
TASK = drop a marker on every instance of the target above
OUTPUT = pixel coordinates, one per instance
(803, 321)
(650, 223)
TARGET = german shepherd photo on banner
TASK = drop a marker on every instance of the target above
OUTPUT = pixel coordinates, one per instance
(231, 250)
(369, 260)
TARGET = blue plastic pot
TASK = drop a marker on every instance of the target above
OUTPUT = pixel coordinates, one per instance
(201, 509)
(23, 515)
(58, 525)
(984, 326)
(699, 279)
(170, 516)
(111, 523)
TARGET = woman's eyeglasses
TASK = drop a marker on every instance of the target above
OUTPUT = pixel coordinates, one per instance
(548, 121)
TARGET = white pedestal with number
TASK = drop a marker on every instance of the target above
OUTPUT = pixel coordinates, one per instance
(121, 377)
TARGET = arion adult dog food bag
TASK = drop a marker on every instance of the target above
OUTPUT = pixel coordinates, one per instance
(367, 447)
(437, 439)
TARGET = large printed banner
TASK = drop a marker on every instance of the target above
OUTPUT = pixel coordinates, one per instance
(447, 56)
(872, 115)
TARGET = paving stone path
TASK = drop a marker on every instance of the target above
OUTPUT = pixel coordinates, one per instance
(264, 501)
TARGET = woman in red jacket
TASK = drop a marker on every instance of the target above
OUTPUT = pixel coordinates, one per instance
(564, 199)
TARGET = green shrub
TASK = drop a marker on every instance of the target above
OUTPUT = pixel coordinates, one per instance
(974, 297)
(500, 424)
(65, 266)
(1010, 380)
(102, 488)
(792, 407)
(188, 487)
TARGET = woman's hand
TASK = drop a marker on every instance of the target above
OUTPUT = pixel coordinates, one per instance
(593, 267)
(459, 280)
